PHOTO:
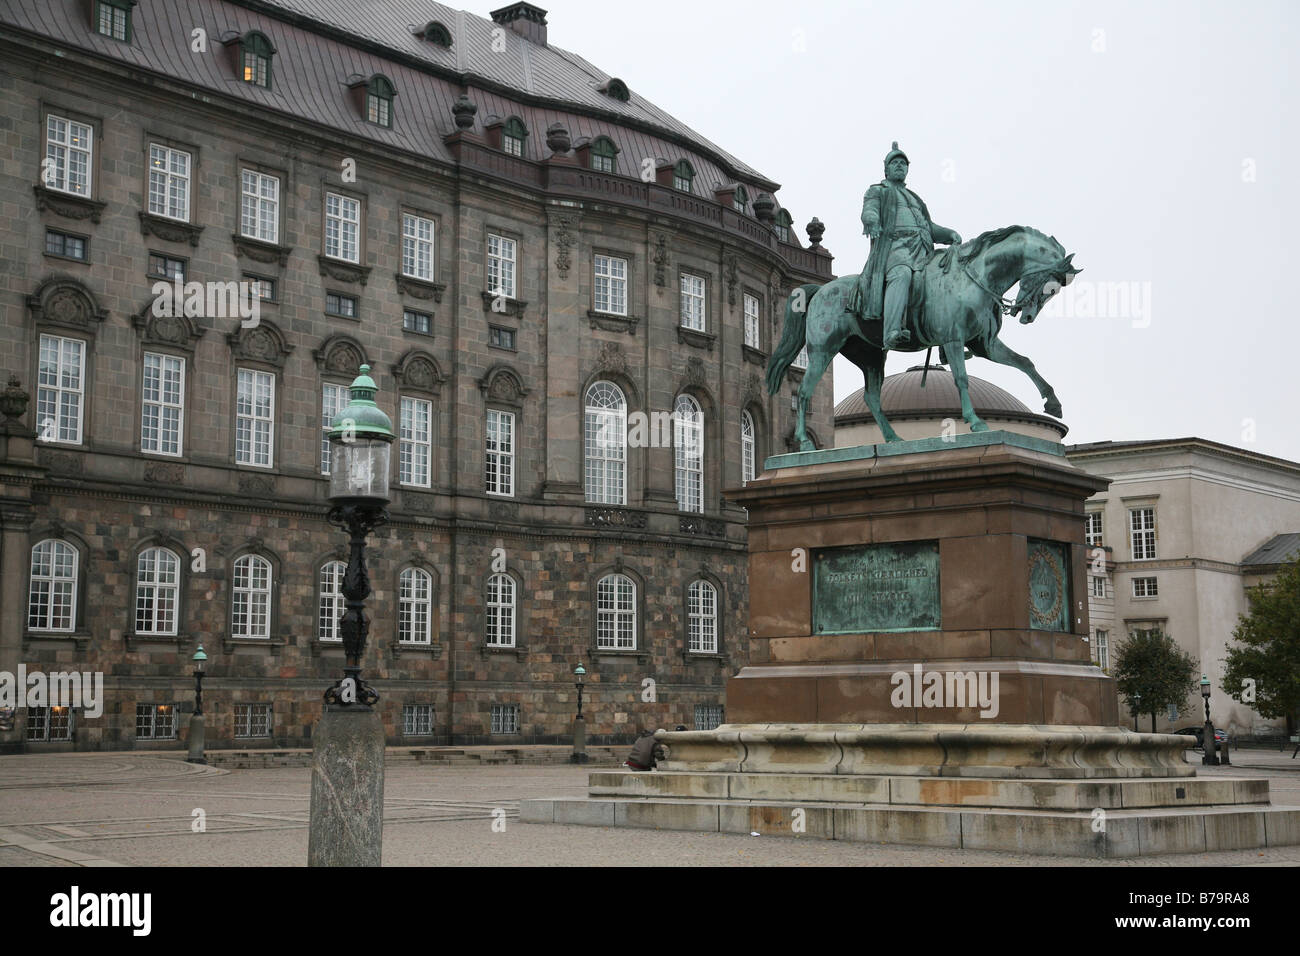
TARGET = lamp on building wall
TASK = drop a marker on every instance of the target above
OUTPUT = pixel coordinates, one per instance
(196, 718)
(579, 754)
(360, 455)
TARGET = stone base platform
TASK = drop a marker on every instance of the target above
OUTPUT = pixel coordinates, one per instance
(1103, 818)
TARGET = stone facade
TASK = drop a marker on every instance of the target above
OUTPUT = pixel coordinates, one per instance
(108, 499)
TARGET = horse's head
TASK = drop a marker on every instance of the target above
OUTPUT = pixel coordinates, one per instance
(1040, 285)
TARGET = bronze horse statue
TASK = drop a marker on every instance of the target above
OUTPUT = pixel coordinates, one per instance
(960, 307)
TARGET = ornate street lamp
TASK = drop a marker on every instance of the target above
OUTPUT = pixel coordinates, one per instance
(361, 451)
(1211, 757)
(579, 754)
(196, 719)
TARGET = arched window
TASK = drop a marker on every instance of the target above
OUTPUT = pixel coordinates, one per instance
(255, 58)
(157, 591)
(688, 453)
(783, 224)
(52, 594)
(414, 606)
(379, 101)
(616, 613)
(702, 618)
(606, 445)
(435, 32)
(683, 176)
(747, 447)
(251, 610)
(501, 611)
(331, 601)
(603, 153)
(740, 199)
(513, 136)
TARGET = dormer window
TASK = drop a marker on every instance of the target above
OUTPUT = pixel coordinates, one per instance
(683, 176)
(603, 152)
(783, 224)
(435, 32)
(616, 88)
(379, 101)
(113, 18)
(255, 53)
(513, 135)
(740, 200)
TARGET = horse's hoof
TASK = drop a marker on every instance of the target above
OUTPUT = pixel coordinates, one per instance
(807, 445)
(892, 438)
(1053, 408)
(978, 426)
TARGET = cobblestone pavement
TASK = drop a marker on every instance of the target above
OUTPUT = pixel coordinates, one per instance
(137, 810)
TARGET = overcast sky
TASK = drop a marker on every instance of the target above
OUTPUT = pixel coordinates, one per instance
(1156, 140)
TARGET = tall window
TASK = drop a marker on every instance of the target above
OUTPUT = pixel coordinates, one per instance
(683, 176)
(1096, 585)
(163, 406)
(1092, 529)
(751, 321)
(748, 447)
(611, 285)
(783, 224)
(1142, 533)
(692, 302)
(616, 612)
(255, 59)
(501, 266)
(379, 101)
(169, 182)
(603, 152)
(688, 453)
(155, 722)
(501, 611)
(702, 618)
(251, 613)
(740, 199)
(1101, 648)
(52, 595)
(606, 444)
(499, 457)
(333, 400)
(331, 601)
(254, 418)
(68, 147)
(113, 19)
(342, 228)
(414, 602)
(417, 247)
(416, 442)
(157, 591)
(259, 206)
(60, 389)
(513, 136)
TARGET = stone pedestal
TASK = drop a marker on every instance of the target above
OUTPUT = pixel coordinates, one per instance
(347, 788)
(196, 739)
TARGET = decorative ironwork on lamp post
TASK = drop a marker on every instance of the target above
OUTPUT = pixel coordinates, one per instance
(360, 454)
(199, 658)
(1208, 742)
(579, 754)
(197, 731)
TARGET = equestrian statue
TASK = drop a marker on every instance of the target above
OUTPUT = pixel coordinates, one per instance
(911, 297)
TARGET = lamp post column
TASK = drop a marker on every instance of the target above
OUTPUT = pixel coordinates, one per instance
(197, 730)
(579, 754)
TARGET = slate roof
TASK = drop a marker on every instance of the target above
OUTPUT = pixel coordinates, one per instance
(1278, 550)
(314, 59)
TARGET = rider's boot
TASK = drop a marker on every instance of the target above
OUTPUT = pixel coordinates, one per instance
(896, 293)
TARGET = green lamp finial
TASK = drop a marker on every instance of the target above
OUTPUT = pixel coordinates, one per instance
(362, 418)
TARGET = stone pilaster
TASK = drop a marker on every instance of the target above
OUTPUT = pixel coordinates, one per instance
(565, 311)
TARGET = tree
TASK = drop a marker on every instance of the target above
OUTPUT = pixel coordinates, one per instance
(1150, 664)
(1265, 670)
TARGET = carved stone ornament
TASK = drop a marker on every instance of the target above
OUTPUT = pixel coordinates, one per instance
(695, 371)
(613, 323)
(563, 243)
(68, 205)
(753, 391)
(250, 484)
(695, 339)
(260, 251)
(262, 343)
(660, 259)
(164, 473)
(731, 280)
(63, 463)
(343, 271)
(63, 301)
(419, 288)
(611, 358)
(501, 384)
(709, 527)
(177, 331)
(170, 230)
(504, 305)
(615, 518)
(419, 371)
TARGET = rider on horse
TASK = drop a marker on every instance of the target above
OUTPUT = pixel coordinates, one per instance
(902, 238)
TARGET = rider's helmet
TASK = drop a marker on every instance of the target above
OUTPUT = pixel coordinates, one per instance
(895, 151)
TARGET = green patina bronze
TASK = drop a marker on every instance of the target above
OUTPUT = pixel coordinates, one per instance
(914, 446)
(1049, 586)
(910, 297)
(876, 587)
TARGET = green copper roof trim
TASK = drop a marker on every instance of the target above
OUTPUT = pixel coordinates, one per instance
(889, 449)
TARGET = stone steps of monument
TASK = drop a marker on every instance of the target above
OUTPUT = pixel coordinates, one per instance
(1097, 833)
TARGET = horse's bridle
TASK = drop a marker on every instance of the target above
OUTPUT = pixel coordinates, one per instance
(1002, 301)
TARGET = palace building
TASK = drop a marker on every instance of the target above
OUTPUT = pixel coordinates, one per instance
(529, 256)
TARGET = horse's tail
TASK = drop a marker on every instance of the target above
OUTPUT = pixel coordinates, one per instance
(792, 337)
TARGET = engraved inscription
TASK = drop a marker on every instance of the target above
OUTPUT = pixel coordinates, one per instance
(879, 587)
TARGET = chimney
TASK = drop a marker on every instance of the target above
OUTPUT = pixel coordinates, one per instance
(525, 19)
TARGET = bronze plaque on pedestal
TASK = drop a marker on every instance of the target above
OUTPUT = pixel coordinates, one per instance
(876, 587)
(1049, 585)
